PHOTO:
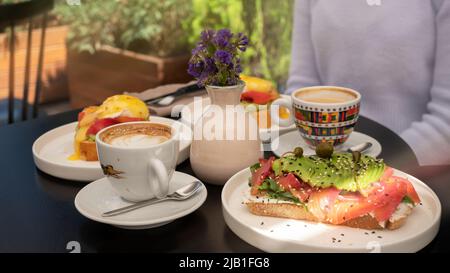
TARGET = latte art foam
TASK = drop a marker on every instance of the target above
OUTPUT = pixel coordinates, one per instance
(136, 135)
(326, 95)
(137, 140)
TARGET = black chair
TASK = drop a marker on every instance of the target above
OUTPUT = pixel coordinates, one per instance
(11, 16)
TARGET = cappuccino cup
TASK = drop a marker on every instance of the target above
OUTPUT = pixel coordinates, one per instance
(138, 158)
(321, 113)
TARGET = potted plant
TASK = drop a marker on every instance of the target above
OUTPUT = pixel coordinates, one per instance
(222, 144)
(125, 45)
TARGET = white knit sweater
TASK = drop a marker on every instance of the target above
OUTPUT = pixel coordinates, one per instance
(395, 52)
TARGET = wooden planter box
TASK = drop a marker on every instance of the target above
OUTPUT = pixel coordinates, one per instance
(54, 67)
(94, 77)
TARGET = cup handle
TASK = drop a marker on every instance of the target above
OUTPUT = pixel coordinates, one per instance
(157, 168)
(275, 115)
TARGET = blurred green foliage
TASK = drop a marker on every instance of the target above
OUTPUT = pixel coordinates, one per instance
(145, 26)
(171, 27)
(10, 1)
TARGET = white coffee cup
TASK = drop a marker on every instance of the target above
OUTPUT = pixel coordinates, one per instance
(139, 170)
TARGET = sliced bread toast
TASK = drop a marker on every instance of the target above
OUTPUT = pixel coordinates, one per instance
(88, 151)
(299, 212)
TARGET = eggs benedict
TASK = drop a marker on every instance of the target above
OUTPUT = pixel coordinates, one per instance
(92, 119)
(258, 96)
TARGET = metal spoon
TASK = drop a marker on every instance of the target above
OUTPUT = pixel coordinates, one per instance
(360, 147)
(182, 193)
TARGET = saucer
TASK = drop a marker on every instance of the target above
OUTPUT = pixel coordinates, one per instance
(288, 142)
(99, 197)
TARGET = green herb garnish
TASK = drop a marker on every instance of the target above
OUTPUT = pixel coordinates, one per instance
(91, 138)
(407, 200)
(276, 192)
(255, 167)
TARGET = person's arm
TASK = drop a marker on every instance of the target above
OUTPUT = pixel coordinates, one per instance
(430, 137)
(303, 70)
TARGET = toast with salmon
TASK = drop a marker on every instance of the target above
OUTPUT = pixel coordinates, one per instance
(293, 211)
(347, 189)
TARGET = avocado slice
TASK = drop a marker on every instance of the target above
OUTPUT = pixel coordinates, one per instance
(340, 170)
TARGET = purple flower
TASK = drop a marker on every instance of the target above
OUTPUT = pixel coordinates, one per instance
(215, 58)
(238, 68)
(242, 42)
(195, 69)
(199, 48)
(223, 57)
(202, 79)
(222, 38)
(207, 35)
(209, 68)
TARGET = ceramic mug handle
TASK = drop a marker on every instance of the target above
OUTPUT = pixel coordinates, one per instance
(275, 114)
(158, 178)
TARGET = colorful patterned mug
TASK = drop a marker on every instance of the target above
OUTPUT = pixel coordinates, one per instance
(321, 113)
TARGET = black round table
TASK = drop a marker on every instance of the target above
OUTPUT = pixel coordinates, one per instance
(38, 214)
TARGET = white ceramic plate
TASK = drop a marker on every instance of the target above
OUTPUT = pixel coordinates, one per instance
(51, 150)
(287, 235)
(99, 197)
(189, 117)
(288, 142)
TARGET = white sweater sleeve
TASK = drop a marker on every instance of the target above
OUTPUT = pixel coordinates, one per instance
(430, 137)
(303, 71)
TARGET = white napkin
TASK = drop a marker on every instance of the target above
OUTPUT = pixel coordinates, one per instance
(167, 89)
